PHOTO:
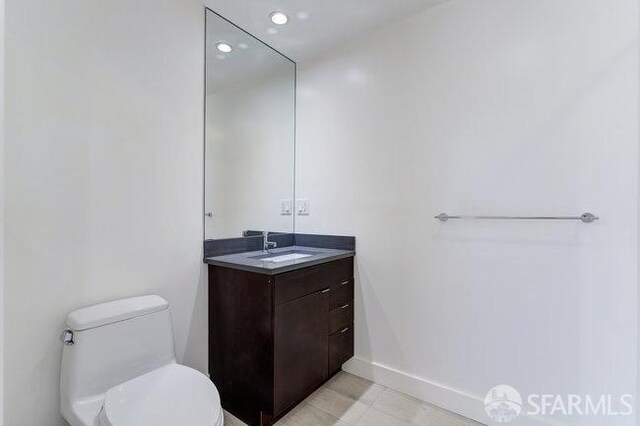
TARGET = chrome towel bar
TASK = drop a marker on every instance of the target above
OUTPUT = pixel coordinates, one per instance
(585, 217)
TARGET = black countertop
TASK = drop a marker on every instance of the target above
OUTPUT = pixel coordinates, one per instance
(247, 261)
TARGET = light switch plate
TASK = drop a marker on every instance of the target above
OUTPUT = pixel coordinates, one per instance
(286, 208)
(303, 207)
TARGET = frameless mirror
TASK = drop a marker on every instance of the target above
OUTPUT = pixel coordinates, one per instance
(249, 133)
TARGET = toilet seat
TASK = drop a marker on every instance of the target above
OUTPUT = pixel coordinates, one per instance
(173, 395)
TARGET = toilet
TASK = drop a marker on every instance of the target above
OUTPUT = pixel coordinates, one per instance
(119, 369)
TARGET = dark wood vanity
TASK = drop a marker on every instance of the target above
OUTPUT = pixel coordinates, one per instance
(276, 337)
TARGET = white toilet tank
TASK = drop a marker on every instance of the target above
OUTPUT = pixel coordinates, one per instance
(112, 342)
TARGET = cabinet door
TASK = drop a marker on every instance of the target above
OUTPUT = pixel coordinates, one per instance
(301, 347)
(340, 348)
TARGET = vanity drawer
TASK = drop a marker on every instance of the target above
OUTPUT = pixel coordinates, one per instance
(341, 293)
(341, 317)
(340, 348)
(291, 285)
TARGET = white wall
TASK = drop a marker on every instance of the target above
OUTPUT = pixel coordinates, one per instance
(250, 154)
(484, 107)
(2, 28)
(103, 177)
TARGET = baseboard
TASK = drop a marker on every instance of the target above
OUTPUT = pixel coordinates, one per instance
(460, 402)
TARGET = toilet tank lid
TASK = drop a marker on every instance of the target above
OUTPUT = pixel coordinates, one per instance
(115, 311)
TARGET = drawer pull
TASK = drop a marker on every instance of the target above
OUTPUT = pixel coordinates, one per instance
(344, 330)
(326, 290)
(345, 306)
(344, 282)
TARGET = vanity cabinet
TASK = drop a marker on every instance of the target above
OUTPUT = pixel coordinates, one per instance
(275, 338)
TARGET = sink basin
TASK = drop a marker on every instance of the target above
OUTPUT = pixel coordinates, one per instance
(283, 256)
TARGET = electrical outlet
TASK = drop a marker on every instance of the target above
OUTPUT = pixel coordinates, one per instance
(286, 208)
(303, 207)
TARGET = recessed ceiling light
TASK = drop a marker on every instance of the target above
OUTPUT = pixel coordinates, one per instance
(279, 18)
(224, 47)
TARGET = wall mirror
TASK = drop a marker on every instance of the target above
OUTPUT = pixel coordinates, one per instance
(249, 134)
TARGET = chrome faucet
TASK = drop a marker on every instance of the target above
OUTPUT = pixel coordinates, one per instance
(266, 244)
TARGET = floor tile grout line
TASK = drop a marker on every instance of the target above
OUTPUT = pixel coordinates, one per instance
(329, 414)
(440, 410)
(384, 389)
(322, 410)
(358, 377)
(369, 406)
(420, 402)
(386, 412)
(344, 396)
(362, 415)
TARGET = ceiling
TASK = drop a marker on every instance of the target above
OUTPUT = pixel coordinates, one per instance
(250, 61)
(314, 25)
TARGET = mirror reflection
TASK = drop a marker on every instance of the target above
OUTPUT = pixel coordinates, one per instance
(249, 134)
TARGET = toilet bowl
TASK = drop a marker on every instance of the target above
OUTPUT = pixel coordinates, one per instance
(119, 369)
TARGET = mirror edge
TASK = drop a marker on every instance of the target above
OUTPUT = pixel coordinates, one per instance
(204, 124)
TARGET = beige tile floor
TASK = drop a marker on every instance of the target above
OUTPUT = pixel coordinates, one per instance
(349, 400)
